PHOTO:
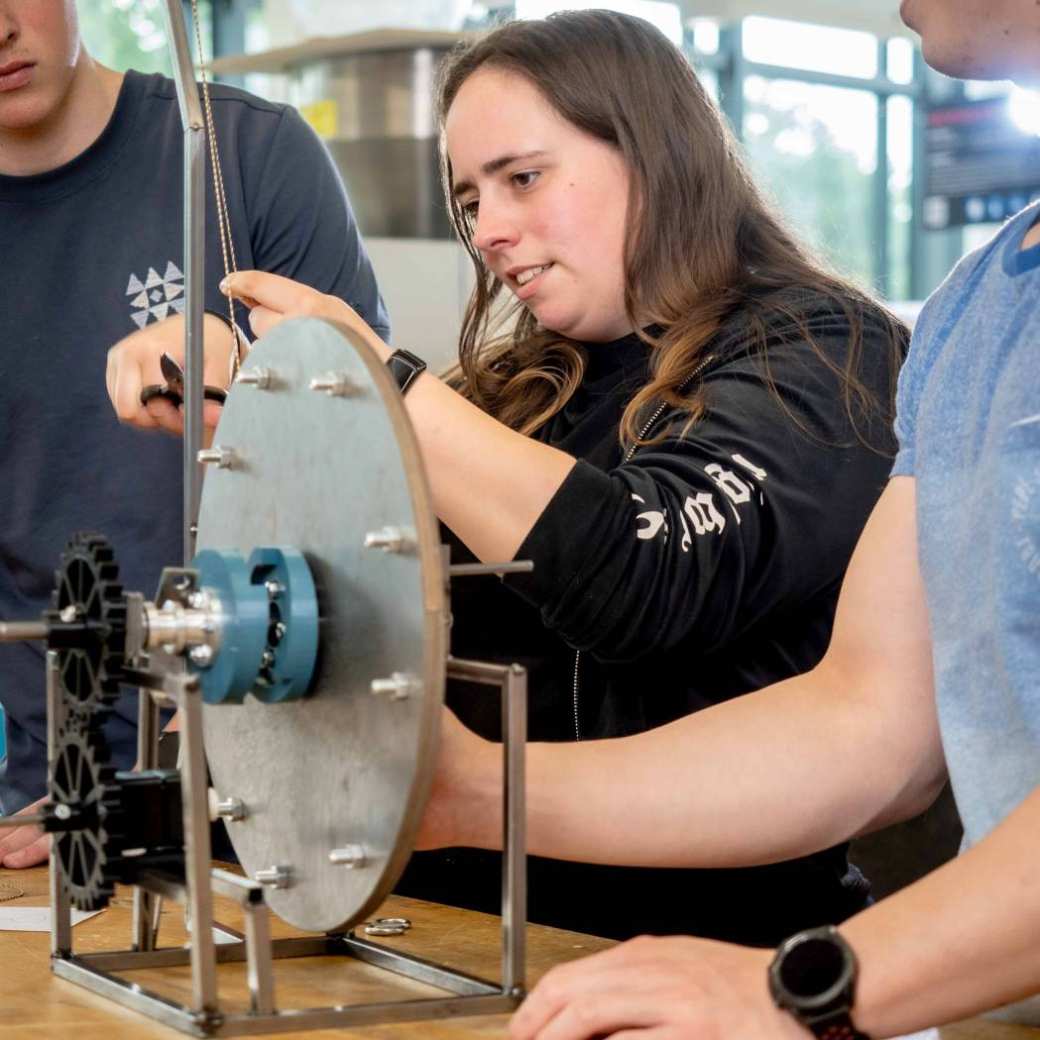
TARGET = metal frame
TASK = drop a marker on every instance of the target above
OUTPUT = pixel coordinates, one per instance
(99, 972)
(194, 260)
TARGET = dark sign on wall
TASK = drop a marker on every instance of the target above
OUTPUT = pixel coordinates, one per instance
(980, 166)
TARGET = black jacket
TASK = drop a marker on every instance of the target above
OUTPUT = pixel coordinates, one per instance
(668, 579)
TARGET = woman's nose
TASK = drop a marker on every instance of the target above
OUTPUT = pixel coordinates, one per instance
(494, 230)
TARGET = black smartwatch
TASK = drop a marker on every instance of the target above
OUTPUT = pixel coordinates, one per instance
(813, 977)
(405, 367)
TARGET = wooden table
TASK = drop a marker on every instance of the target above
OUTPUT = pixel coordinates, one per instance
(37, 1006)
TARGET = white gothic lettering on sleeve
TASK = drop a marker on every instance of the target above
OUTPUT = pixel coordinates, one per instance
(706, 519)
(756, 471)
(652, 521)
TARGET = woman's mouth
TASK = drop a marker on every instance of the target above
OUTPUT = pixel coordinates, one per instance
(527, 279)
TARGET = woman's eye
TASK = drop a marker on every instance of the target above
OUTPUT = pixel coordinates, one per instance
(469, 209)
(525, 178)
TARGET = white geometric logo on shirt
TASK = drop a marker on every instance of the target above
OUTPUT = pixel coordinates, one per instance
(156, 298)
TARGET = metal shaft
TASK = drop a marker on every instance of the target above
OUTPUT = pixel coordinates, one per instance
(35, 819)
(19, 631)
(473, 570)
(194, 260)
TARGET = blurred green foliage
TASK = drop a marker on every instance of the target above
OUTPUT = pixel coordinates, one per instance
(125, 34)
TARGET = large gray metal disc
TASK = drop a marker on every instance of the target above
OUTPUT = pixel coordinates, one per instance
(342, 767)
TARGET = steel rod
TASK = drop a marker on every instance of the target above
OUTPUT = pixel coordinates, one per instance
(197, 851)
(514, 824)
(61, 907)
(418, 968)
(20, 631)
(476, 570)
(477, 671)
(22, 820)
(146, 909)
(194, 260)
(259, 969)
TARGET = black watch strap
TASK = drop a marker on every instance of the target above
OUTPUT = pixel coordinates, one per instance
(837, 1027)
(405, 367)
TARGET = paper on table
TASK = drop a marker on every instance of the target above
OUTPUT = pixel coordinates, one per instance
(928, 1034)
(34, 918)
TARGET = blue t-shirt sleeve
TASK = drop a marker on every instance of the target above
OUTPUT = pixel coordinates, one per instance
(908, 394)
(301, 222)
(933, 325)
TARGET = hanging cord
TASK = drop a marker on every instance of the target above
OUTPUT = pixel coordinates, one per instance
(227, 242)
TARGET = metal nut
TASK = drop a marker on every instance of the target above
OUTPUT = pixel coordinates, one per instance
(231, 809)
(258, 377)
(398, 687)
(201, 656)
(275, 877)
(335, 384)
(390, 539)
(222, 458)
(388, 926)
(349, 856)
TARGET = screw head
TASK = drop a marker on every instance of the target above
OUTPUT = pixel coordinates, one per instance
(349, 856)
(222, 458)
(258, 377)
(335, 384)
(231, 809)
(390, 539)
(275, 877)
(398, 687)
(202, 656)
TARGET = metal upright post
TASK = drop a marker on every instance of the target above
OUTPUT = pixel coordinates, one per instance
(194, 261)
(146, 904)
(61, 910)
(197, 851)
(514, 843)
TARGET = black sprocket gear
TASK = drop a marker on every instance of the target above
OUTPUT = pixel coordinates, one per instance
(88, 596)
(86, 813)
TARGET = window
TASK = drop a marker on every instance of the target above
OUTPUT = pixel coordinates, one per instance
(814, 148)
(814, 48)
(900, 200)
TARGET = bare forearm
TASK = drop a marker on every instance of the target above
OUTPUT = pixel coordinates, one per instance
(777, 774)
(960, 941)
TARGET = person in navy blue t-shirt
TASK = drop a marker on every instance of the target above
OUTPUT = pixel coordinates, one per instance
(91, 235)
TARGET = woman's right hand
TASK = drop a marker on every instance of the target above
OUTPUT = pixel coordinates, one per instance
(465, 806)
(133, 363)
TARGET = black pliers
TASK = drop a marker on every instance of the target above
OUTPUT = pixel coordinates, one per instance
(173, 389)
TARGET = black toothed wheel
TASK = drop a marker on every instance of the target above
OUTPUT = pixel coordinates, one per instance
(89, 601)
(86, 813)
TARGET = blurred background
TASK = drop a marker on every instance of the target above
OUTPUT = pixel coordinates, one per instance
(891, 170)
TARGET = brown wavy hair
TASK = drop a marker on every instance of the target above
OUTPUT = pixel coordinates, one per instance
(706, 246)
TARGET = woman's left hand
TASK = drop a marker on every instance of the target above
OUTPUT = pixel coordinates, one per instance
(271, 299)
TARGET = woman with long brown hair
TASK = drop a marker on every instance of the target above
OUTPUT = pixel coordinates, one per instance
(684, 424)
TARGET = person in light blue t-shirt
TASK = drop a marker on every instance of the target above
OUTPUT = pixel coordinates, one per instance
(933, 671)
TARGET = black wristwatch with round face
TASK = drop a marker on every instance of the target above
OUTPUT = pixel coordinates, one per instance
(405, 367)
(813, 977)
